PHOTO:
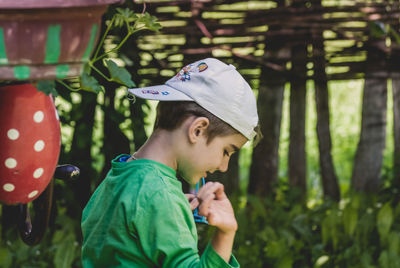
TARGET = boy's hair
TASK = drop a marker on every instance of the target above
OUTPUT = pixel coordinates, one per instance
(171, 114)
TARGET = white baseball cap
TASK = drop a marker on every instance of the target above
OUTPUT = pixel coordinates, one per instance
(215, 86)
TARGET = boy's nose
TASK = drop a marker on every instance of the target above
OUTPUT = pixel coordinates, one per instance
(224, 165)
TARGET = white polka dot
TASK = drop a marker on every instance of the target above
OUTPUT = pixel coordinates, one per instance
(33, 194)
(38, 116)
(8, 187)
(39, 145)
(13, 134)
(10, 163)
(37, 173)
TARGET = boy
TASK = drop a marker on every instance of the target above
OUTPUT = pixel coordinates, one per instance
(138, 216)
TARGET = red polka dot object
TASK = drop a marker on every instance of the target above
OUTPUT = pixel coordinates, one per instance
(29, 142)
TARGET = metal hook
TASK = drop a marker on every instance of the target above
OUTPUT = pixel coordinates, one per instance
(131, 97)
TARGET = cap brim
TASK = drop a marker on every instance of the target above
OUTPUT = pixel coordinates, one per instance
(161, 92)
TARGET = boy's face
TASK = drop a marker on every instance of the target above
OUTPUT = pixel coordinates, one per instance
(204, 158)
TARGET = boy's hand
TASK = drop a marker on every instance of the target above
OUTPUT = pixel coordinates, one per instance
(215, 205)
(193, 201)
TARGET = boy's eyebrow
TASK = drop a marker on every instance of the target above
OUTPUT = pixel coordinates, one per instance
(234, 147)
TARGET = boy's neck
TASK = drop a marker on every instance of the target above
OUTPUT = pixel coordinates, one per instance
(160, 147)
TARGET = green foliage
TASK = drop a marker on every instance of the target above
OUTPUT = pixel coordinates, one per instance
(47, 87)
(133, 24)
(358, 232)
(60, 248)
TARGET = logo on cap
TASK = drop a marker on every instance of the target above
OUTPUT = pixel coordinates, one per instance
(150, 91)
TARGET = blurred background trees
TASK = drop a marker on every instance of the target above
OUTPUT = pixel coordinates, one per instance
(321, 188)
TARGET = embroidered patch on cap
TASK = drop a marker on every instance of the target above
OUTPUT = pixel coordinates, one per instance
(202, 67)
(184, 74)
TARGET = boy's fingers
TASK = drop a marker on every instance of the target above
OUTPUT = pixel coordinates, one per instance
(194, 203)
(210, 187)
(220, 193)
(205, 203)
(209, 192)
(190, 197)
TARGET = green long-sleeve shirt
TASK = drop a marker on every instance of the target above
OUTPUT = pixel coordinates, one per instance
(139, 217)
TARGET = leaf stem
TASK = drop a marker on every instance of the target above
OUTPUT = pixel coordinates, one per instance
(103, 38)
(66, 85)
(114, 49)
(100, 73)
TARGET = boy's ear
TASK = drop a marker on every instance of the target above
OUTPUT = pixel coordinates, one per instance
(198, 128)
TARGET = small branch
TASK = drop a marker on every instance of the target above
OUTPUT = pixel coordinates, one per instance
(144, 7)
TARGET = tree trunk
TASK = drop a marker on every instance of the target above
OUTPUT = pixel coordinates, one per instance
(83, 115)
(297, 152)
(265, 158)
(114, 140)
(396, 128)
(329, 179)
(328, 176)
(369, 155)
(264, 169)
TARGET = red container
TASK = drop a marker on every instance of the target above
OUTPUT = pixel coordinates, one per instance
(48, 39)
(29, 142)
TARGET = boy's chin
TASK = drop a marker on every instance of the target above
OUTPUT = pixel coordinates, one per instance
(197, 179)
(192, 180)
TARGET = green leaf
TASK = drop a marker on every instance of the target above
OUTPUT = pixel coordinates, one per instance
(119, 74)
(377, 29)
(394, 242)
(350, 219)
(276, 249)
(395, 34)
(47, 87)
(5, 258)
(65, 253)
(89, 83)
(124, 15)
(321, 261)
(151, 22)
(286, 262)
(325, 230)
(384, 261)
(366, 260)
(258, 206)
(86, 68)
(301, 225)
(384, 220)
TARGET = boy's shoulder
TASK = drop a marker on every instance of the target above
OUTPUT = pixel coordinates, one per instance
(143, 176)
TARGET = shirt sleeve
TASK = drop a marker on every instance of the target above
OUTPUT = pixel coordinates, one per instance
(168, 235)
